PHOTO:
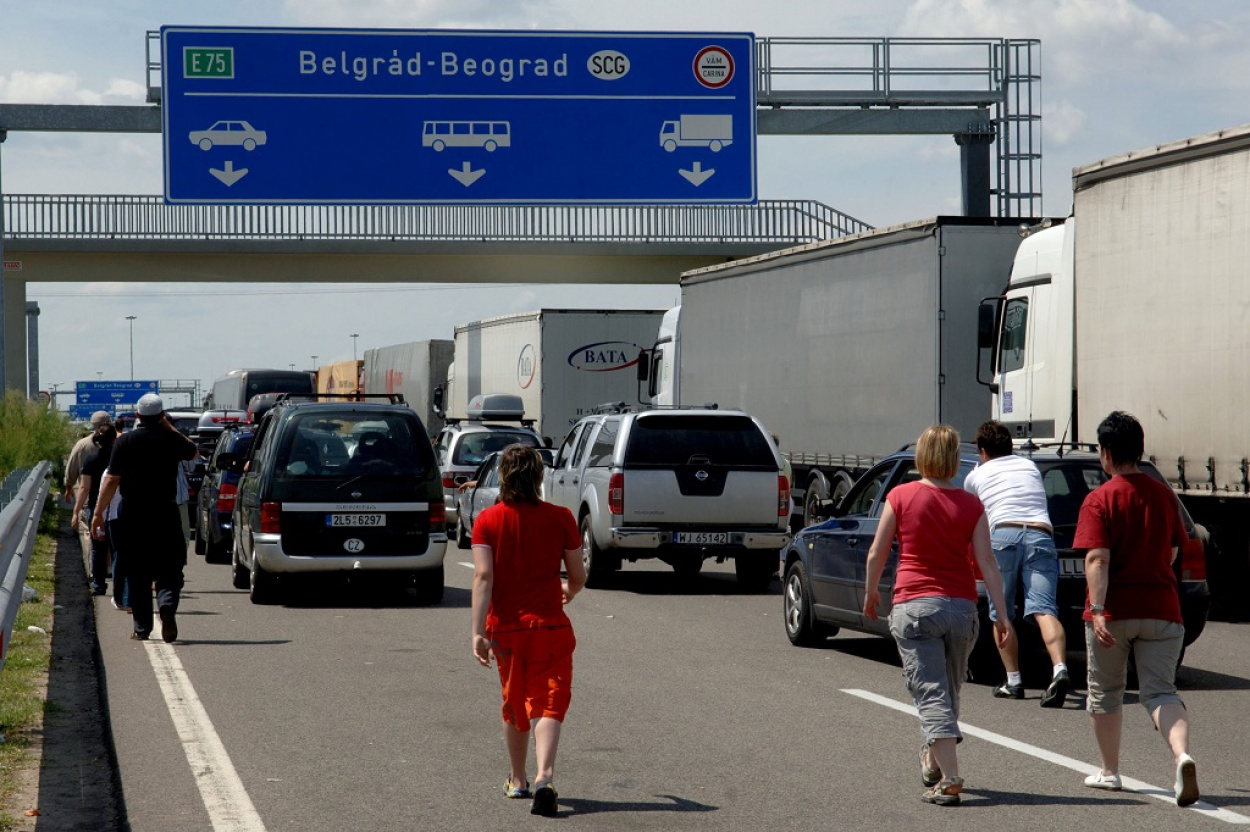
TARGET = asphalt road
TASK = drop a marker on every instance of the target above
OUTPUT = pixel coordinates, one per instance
(350, 708)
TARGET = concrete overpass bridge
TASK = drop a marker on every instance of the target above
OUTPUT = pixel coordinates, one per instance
(68, 238)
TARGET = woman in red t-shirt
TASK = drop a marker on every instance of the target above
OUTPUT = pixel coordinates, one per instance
(934, 614)
(519, 545)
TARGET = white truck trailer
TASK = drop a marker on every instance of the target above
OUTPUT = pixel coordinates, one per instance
(561, 362)
(1141, 303)
(847, 349)
(413, 369)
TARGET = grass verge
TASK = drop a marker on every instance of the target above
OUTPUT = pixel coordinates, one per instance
(24, 679)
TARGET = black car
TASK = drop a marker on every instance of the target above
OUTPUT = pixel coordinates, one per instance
(824, 566)
(213, 528)
(339, 487)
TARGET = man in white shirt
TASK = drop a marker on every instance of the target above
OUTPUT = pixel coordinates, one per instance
(1010, 488)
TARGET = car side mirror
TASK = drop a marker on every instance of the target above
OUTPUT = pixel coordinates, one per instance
(231, 462)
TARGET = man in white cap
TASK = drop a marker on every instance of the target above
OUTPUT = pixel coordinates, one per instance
(144, 467)
(84, 450)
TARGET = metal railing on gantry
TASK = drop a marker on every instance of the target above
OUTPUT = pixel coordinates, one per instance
(95, 217)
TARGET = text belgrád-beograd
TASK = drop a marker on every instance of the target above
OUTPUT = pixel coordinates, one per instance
(364, 67)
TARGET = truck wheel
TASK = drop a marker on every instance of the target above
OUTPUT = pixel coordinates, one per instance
(755, 571)
(463, 541)
(429, 586)
(802, 628)
(263, 587)
(670, 145)
(714, 146)
(599, 565)
(811, 497)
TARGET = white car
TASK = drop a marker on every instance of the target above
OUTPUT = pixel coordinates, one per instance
(229, 133)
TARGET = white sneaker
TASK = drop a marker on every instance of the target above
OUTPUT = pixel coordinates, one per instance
(1186, 781)
(1110, 782)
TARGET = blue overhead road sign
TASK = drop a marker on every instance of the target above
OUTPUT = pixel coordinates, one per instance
(83, 412)
(257, 116)
(113, 392)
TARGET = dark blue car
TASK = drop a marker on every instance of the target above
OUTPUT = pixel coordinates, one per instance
(823, 568)
(213, 532)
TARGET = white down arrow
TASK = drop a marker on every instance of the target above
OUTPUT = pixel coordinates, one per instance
(697, 176)
(467, 175)
(228, 176)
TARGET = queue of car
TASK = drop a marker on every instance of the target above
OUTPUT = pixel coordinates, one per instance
(304, 486)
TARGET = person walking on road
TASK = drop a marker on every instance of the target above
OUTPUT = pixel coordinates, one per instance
(83, 451)
(1010, 487)
(89, 480)
(144, 467)
(1131, 530)
(934, 615)
(518, 603)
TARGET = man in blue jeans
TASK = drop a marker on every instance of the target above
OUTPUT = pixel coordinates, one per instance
(1010, 488)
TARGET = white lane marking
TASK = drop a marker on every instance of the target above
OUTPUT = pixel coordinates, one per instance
(229, 807)
(1079, 766)
(465, 563)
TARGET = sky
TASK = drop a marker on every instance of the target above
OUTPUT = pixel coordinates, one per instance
(1116, 76)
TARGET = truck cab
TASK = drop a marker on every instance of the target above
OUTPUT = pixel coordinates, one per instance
(1029, 332)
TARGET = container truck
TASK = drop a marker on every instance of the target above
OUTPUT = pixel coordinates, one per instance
(342, 377)
(1140, 303)
(561, 362)
(413, 369)
(846, 349)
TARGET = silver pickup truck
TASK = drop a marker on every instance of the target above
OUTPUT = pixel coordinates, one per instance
(678, 485)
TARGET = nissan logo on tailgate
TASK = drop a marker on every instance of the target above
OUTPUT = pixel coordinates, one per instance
(700, 475)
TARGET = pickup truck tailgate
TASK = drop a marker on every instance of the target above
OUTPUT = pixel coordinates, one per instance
(683, 497)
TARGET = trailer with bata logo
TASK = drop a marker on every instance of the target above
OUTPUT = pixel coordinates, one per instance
(847, 349)
(413, 369)
(560, 362)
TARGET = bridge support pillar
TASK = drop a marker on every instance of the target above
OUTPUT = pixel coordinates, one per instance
(974, 169)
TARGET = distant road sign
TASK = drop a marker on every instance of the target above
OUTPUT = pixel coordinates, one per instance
(112, 392)
(442, 116)
(83, 412)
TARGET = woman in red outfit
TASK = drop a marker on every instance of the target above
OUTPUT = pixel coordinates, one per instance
(934, 614)
(519, 545)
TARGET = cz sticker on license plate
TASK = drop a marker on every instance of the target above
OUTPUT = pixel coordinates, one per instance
(355, 521)
(702, 538)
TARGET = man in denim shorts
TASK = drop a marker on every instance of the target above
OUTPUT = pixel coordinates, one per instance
(1131, 530)
(1010, 488)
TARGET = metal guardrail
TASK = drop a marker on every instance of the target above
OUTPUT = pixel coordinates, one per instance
(94, 217)
(22, 497)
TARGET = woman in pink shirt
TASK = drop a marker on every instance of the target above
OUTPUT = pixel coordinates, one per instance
(934, 614)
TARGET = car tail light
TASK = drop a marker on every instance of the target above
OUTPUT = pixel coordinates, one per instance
(783, 496)
(449, 480)
(1193, 560)
(438, 514)
(616, 494)
(271, 518)
(226, 496)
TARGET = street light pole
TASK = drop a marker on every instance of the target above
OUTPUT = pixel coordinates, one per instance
(131, 318)
(314, 358)
(355, 335)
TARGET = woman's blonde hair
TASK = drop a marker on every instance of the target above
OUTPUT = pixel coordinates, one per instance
(520, 475)
(937, 452)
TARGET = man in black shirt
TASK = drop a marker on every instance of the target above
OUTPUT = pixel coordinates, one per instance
(144, 466)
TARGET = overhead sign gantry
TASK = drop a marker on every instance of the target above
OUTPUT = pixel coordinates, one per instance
(264, 116)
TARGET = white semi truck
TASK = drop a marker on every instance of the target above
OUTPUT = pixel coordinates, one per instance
(1141, 303)
(561, 362)
(847, 349)
(413, 369)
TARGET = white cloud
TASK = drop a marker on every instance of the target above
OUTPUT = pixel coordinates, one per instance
(1064, 121)
(450, 14)
(22, 87)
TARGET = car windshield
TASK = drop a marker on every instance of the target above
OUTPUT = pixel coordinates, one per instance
(671, 440)
(338, 444)
(475, 446)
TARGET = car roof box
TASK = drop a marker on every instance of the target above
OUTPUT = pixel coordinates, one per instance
(497, 406)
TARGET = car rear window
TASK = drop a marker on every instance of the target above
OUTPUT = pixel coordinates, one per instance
(670, 441)
(475, 446)
(328, 444)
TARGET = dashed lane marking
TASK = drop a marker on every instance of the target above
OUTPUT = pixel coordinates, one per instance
(465, 563)
(221, 788)
(1079, 766)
